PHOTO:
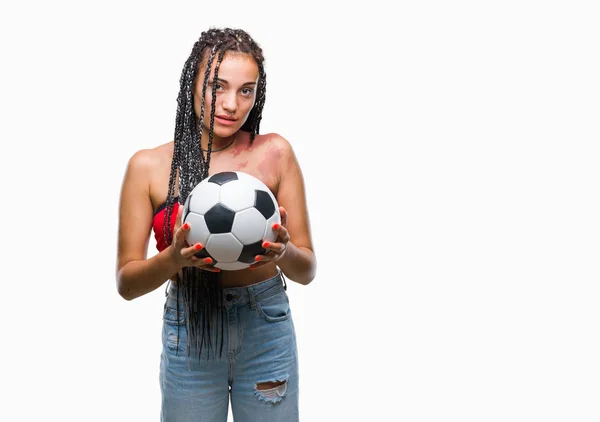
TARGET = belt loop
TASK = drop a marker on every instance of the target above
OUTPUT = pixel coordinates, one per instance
(251, 297)
(283, 278)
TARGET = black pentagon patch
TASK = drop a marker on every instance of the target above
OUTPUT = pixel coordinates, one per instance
(250, 251)
(264, 204)
(219, 219)
(223, 177)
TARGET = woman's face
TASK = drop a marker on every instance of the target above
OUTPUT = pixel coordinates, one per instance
(236, 92)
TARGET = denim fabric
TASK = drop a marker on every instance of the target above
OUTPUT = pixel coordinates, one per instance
(259, 346)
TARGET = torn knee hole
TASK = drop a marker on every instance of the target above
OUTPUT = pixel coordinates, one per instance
(269, 385)
(271, 391)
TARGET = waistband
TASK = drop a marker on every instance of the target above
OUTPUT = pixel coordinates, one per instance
(236, 296)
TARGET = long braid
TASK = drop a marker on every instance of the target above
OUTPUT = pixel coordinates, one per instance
(211, 292)
(181, 146)
(252, 125)
(202, 292)
(212, 111)
(199, 294)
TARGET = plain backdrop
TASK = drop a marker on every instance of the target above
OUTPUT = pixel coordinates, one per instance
(451, 160)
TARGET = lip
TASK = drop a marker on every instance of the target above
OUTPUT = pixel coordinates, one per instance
(224, 120)
(225, 117)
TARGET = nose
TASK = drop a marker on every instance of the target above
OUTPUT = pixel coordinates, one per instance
(229, 102)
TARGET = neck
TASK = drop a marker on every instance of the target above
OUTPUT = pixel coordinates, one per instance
(218, 143)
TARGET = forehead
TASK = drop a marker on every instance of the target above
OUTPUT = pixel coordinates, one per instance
(235, 66)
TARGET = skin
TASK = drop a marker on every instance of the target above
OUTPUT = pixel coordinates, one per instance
(270, 158)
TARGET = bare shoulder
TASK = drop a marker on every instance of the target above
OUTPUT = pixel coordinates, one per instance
(145, 164)
(283, 148)
(279, 141)
(150, 158)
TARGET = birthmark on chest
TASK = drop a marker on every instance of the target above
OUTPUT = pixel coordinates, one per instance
(244, 145)
(241, 165)
(238, 149)
(270, 161)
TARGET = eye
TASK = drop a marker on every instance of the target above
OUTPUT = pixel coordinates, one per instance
(247, 92)
(218, 86)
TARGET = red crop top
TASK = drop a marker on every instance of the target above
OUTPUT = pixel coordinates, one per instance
(157, 224)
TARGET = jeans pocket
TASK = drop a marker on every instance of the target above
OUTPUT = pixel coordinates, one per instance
(174, 329)
(275, 308)
(170, 315)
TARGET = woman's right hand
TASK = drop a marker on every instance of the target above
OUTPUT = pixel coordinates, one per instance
(183, 253)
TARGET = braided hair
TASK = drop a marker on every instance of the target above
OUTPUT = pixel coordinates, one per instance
(202, 292)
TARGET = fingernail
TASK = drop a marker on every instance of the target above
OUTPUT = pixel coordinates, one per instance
(208, 260)
(275, 226)
(265, 245)
(186, 226)
(217, 270)
(198, 246)
(257, 258)
(252, 268)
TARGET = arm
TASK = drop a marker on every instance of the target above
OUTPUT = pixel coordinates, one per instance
(136, 275)
(299, 262)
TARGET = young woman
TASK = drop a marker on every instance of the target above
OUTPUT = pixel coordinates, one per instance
(225, 333)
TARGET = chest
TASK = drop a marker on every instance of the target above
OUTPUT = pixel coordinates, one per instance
(262, 163)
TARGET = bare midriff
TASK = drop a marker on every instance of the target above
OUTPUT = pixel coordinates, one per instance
(245, 277)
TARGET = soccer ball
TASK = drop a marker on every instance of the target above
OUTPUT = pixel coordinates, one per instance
(231, 214)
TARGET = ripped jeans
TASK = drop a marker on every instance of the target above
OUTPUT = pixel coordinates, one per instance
(258, 367)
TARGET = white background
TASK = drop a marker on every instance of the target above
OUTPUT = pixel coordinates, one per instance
(450, 152)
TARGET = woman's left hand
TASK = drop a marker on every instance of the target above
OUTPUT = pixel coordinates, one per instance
(275, 250)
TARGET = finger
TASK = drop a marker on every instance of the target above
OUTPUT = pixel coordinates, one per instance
(178, 216)
(274, 247)
(191, 251)
(281, 231)
(179, 239)
(267, 258)
(281, 228)
(206, 264)
(261, 258)
(283, 238)
(258, 265)
(284, 215)
(200, 261)
(210, 268)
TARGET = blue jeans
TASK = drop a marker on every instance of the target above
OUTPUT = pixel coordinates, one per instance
(259, 347)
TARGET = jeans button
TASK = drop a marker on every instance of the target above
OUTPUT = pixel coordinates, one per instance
(228, 296)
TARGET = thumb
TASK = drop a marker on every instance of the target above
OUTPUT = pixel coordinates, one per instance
(179, 215)
(283, 214)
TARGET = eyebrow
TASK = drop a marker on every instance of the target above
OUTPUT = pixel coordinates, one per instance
(245, 83)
